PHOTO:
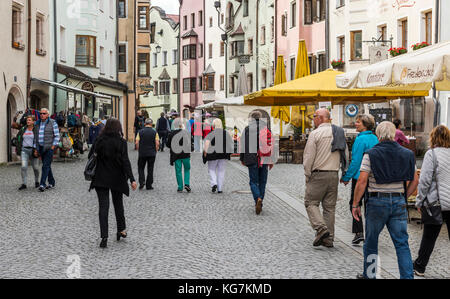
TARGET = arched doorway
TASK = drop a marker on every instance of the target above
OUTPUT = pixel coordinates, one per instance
(9, 117)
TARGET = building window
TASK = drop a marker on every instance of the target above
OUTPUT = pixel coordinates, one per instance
(250, 83)
(86, 51)
(263, 78)
(62, 44)
(263, 35)
(222, 82)
(185, 22)
(122, 58)
(144, 61)
(237, 48)
(293, 14)
(152, 32)
(356, 45)
(164, 58)
(340, 3)
(189, 52)
(155, 60)
(17, 21)
(209, 83)
(323, 65)
(284, 25)
(308, 11)
(40, 47)
(111, 8)
(403, 28)
(250, 46)
(143, 18)
(245, 8)
(175, 56)
(272, 29)
(222, 18)
(292, 68)
(200, 53)
(111, 64)
(200, 18)
(320, 10)
(175, 86)
(210, 22)
(210, 51)
(102, 61)
(189, 85)
(341, 48)
(222, 49)
(193, 20)
(428, 27)
(164, 88)
(231, 84)
(156, 88)
(122, 9)
(382, 32)
(312, 64)
(200, 83)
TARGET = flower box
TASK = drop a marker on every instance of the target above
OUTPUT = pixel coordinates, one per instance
(420, 45)
(397, 51)
(337, 64)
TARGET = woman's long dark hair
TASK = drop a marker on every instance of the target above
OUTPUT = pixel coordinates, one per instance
(113, 128)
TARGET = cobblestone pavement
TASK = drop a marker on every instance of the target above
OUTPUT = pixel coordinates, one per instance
(294, 184)
(187, 236)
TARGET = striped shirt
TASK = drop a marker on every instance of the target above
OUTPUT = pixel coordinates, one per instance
(397, 187)
(42, 132)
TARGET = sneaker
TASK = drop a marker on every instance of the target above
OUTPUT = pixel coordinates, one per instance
(418, 272)
(219, 192)
(188, 188)
(180, 191)
(141, 187)
(322, 234)
(150, 188)
(359, 237)
(36, 185)
(23, 187)
(258, 207)
(214, 189)
(42, 189)
(49, 187)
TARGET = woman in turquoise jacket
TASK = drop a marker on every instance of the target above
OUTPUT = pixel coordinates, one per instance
(365, 141)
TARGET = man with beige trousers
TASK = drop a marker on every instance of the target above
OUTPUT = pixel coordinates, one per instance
(322, 175)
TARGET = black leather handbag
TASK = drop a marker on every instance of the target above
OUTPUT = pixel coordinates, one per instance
(91, 166)
(432, 213)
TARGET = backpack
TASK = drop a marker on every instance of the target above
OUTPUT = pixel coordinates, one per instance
(265, 147)
(66, 143)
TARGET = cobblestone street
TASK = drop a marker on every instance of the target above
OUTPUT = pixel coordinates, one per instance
(197, 235)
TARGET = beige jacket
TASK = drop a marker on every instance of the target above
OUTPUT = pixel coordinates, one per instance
(318, 155)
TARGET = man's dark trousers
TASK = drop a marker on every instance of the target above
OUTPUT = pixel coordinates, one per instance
(47, 158)
(162, 138)
(142, 162)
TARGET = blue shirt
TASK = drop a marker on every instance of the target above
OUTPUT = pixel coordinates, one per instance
(365, 141)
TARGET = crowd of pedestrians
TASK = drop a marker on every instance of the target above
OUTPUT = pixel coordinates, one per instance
(382, 173)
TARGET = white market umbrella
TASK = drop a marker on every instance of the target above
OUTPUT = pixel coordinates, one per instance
(242, 88)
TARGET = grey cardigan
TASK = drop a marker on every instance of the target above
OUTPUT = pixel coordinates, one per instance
(427, 186)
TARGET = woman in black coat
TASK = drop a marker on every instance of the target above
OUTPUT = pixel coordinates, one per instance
(111, 175)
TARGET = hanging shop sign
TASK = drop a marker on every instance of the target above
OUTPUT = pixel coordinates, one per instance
(351, 110)
(88, 86)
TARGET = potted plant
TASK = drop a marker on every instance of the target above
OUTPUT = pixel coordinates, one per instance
(420, 45)
(397, 51)
(338, 64)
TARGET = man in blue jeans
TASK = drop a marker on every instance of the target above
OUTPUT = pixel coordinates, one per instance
(46, 140)
(253, 157)
(386, 168)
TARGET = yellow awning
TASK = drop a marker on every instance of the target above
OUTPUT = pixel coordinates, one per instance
(302, 70)
(321, 87)
(282, 113)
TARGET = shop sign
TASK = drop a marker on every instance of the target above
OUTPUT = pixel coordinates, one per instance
(88, 86)
(351, 110)
(378, 53)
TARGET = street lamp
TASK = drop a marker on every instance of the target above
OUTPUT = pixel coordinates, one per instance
(158, 49)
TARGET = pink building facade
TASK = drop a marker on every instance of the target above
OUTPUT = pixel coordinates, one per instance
(297, 20)
(192, 54)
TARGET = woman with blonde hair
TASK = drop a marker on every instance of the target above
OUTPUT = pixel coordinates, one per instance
(217, 150)
(434, 189)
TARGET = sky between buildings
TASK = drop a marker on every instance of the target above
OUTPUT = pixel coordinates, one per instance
(170, 6)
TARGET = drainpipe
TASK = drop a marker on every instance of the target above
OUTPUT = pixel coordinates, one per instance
(55, 51)
(29, 55)
(180, 84)
(327, 32)
(276, 30)
(257, 45)
(437, 104)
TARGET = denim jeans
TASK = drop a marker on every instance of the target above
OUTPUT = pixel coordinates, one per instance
(47, 158)
(389, 211)
(27, 155)
(258, 180)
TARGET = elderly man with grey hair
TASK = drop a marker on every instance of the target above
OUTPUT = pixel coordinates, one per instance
(322, 164)
(46, 134)
(388, 170)
(147, 143)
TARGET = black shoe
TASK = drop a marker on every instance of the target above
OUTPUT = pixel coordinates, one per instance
(220, 192)
(417, 271)
(36, 185)
(121, 235)
(42, 189)
(141, 187)
(188, 188)
(23, 187)
(104, 243)
(49, 187)
(150, 188)
(214, 189)
(359, 237)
